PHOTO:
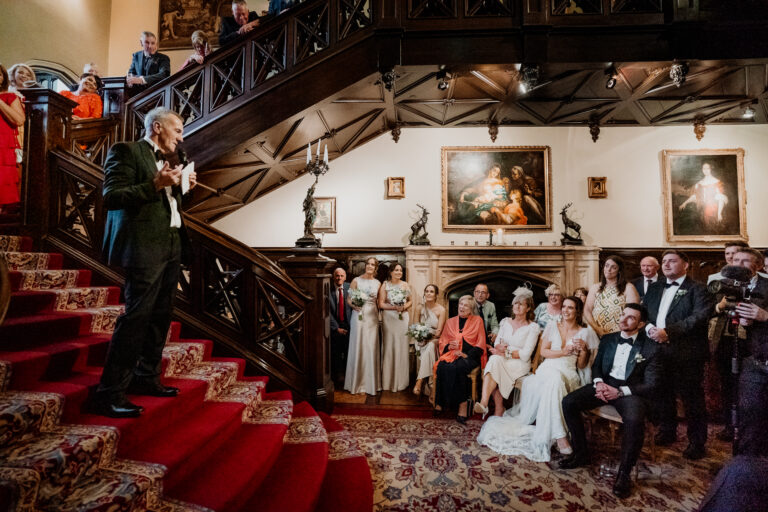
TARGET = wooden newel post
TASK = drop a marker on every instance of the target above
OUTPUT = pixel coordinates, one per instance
(312, 271)
(47, 127)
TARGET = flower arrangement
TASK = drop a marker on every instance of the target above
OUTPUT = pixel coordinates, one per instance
(419, 332)
(358, 298)
(398, 297)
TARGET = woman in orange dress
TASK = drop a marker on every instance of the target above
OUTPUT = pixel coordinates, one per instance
(11, 117)
(88, 102)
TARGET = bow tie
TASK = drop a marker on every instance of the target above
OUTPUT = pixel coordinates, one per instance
(673, 283)
(625, 341)
(159, 156)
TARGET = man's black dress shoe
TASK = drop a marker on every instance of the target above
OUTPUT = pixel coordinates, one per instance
(117, 409)
(694, 452)
(573, 461)
(461, 419)
(664, 439)
(622, 487)
(152, 389)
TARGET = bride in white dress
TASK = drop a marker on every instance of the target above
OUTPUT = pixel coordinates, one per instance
(363, 359)
(511, 353)
(566, 346)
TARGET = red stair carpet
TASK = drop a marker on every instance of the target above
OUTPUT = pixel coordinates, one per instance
(222, 444)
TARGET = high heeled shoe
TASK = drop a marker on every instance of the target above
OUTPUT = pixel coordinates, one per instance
(417, 390)
(481, 409)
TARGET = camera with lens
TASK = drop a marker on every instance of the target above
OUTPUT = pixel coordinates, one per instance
(734, 285)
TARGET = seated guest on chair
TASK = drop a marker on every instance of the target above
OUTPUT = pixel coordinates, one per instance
(340, 314)
(607, 298)
(462, 349)
(88, 102)
(147, 66)
(240, 23)
(511, 353)
(565, 345)
(626, 374)
(431, 314)
(678, 312)
(549, 310)
(649, 268)
(487, 310)
(145, 235)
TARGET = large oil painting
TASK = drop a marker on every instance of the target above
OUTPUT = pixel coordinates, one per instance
(704, 197)
(497, 187)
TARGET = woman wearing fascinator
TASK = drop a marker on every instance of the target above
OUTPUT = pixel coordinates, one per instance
(511, 353)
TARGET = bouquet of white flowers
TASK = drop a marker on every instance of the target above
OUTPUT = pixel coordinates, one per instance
(398, 297)
(358, 298)
(419, 332)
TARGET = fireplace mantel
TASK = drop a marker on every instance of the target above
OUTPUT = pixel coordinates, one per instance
(568, 266)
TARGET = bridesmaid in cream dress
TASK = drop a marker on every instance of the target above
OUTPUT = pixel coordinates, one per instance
(431, 314)
(363, 360)
(394, 340)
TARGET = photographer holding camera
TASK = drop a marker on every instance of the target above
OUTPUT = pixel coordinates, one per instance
(734, 284)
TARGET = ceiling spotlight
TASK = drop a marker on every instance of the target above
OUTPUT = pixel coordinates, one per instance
(612, 74)
(529, 78)
(443, 79)
(678, 73)
(749, 113)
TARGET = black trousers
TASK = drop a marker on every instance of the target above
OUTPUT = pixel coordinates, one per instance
(136, 348)
(632, 409)
(452, 385)
(339, 349)
(728, 381)
(683, 378)
(753, 411)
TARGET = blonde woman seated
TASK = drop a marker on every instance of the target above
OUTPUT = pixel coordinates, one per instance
(566, 345)
(549, 310)
(431, 314)
(511, 353)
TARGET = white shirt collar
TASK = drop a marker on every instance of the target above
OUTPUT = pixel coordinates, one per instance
(679, 280)
(633, 337)
(152, 144)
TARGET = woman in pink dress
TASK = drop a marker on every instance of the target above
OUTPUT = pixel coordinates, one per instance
(11, 117)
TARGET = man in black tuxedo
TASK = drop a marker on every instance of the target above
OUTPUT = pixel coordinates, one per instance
(340, 312)
(147, 66)
(626, 374)
(649, 268)
(240, 23)
(145, 235)
(678, 311)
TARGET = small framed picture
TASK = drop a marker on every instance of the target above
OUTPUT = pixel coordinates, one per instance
(325, 221)
(395, 188)
(596, 187)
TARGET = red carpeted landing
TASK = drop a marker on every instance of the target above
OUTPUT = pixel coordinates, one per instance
(223, 444)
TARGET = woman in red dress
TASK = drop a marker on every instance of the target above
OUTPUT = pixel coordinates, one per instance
(11, 117)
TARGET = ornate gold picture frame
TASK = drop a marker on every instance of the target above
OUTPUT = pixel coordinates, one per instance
(506, 187)
(396, 188)
(704, 195)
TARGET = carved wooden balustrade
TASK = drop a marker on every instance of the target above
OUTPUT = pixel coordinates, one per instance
(228, 292)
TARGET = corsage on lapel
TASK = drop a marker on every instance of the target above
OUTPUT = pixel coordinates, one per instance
(639, 358)
(680, 293)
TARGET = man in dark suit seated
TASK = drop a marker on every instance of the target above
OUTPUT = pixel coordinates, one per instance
(649, 268)
(145, 235)
(626, 374)
(240, 23)
(678, 311)
(340, 313)
(147, 66)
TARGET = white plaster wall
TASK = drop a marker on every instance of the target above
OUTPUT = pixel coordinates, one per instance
(629, 157)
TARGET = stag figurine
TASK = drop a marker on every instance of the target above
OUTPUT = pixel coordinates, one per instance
(572, 233)
(419, 229)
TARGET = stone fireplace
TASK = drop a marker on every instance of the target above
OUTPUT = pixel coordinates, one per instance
(455, 268)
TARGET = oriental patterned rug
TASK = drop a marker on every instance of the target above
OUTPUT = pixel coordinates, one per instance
(430, 465)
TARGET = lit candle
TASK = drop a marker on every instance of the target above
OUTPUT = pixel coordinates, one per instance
(318, 147)
(499, 235)
(325, 154)
(309, 152)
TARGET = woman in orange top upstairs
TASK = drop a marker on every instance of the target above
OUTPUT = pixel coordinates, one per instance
(88, 102)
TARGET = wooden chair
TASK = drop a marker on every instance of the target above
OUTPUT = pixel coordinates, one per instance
(515, 395)
(609, 413)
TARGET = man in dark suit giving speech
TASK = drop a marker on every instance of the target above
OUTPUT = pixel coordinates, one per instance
(626, 374)
(145, 235)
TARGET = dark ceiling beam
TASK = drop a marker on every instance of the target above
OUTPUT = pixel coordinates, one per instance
(371, 118)
(725, 73)
(567, 101)
(569, 116)
(457, 118)
(703, 110)
(432, 121)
